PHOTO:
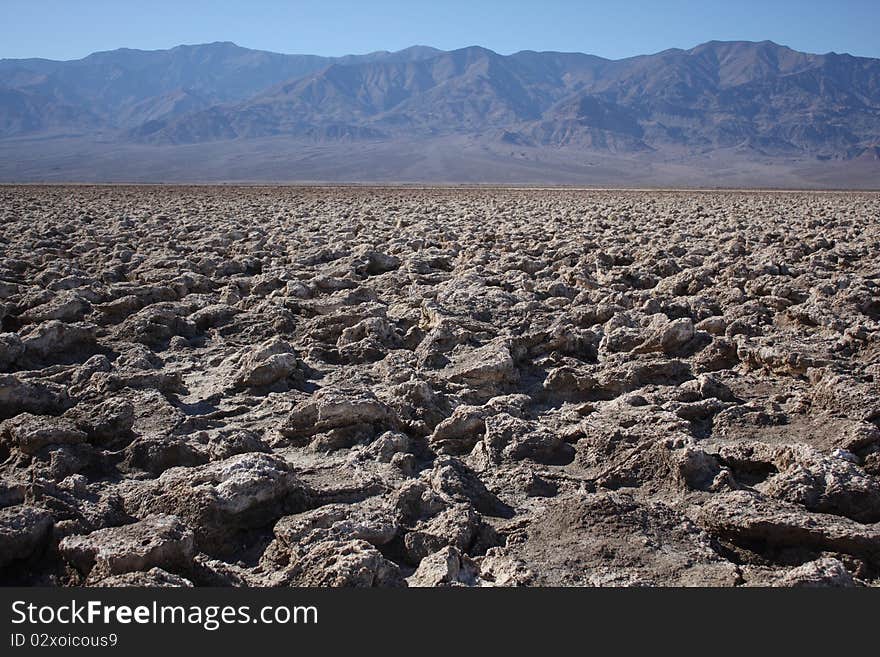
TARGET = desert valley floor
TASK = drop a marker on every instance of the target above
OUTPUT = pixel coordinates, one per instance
(351, 386)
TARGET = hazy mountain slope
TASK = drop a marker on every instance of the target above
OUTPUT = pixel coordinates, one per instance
(32, 112)
(717, 95)
(463, 90)
(731, 102)
(726, 94)
(125, 87)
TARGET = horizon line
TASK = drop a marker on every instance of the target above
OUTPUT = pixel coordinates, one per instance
(439, 51)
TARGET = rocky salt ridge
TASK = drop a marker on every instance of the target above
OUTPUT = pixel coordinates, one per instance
(390, 387)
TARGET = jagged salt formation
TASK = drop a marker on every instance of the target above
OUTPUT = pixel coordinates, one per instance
(387, 387)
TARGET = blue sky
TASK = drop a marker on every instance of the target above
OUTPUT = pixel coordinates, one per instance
(69, 29)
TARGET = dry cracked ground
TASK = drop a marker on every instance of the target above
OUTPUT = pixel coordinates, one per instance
(390, 387)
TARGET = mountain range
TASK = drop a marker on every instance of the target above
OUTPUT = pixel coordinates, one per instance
(721, 114)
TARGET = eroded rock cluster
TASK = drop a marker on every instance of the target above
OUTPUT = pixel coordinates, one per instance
(243, 386)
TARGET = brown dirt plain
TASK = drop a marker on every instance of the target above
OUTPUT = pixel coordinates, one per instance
(287, 386)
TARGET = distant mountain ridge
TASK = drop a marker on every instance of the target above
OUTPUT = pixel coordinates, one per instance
(122, 88)
(755, 99)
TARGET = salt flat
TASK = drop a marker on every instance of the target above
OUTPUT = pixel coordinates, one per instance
(330, 386)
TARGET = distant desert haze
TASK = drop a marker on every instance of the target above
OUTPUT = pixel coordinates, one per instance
(722, 114)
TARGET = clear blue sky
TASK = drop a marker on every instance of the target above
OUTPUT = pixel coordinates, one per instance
(69, 29)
